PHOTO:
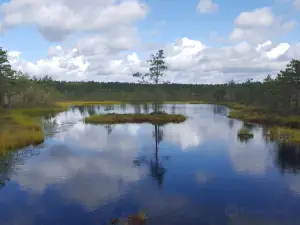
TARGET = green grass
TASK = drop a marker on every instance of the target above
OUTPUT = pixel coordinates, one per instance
(154, 118)
(284, 134)
(245, 132)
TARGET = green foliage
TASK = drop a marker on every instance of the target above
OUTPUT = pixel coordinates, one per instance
(157, 66)
(154, 118)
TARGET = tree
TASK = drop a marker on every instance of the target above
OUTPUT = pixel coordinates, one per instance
(157, 66)
(5, 68)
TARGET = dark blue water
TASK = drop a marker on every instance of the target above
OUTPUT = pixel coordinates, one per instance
(201, 173)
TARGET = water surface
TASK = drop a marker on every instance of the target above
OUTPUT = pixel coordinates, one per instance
(199, 173)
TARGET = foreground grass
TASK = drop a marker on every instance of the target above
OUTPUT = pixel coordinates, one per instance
(284, 134)
(18, 130)
(245, 133)
(154, 118)
(22, 127)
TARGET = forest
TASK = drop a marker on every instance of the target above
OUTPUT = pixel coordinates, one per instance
(280, 94)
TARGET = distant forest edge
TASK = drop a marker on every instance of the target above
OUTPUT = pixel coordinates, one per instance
(281, 94)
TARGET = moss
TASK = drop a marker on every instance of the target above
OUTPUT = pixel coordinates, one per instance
(245, 132)
(154, 118)
(284, 134)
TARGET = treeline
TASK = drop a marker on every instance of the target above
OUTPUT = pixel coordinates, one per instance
(19, 90)
(281, 93)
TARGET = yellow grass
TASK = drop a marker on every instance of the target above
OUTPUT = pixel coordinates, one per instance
(18, 138)
(22, 127)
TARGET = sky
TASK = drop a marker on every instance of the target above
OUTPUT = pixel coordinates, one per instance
(204, 41)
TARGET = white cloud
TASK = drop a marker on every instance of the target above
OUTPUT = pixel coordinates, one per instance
(57, 19)
(259, 17)
(260, 25)
(188, 61)
(278, 50)
(207, 6)
(92, 180)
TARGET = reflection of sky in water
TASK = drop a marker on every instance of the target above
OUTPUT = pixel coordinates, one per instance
(86, 174)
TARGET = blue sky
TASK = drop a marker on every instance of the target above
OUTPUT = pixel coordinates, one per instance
(163, 23)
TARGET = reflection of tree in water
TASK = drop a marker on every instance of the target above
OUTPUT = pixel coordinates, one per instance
(50, 126)
(219, 109)
(109, 108)
(288, 157)
(157, 169)
(231, 123)
(146, 108)
(249, 126)
(123, 107)
(173, 109)
(109, 128)
(81, 109)
(136, 108)
(10, 161)
(91, 110)
(157, 107)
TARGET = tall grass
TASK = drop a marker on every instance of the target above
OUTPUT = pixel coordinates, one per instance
(155, 118)
(18, 138)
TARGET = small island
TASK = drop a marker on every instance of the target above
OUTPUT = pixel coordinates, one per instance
(245, 133)
(154, 118)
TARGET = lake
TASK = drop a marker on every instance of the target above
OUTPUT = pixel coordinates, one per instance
(196, 172)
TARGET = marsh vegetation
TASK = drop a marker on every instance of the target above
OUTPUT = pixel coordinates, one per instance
(154, 118)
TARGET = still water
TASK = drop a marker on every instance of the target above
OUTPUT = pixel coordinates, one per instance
(200, 173)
